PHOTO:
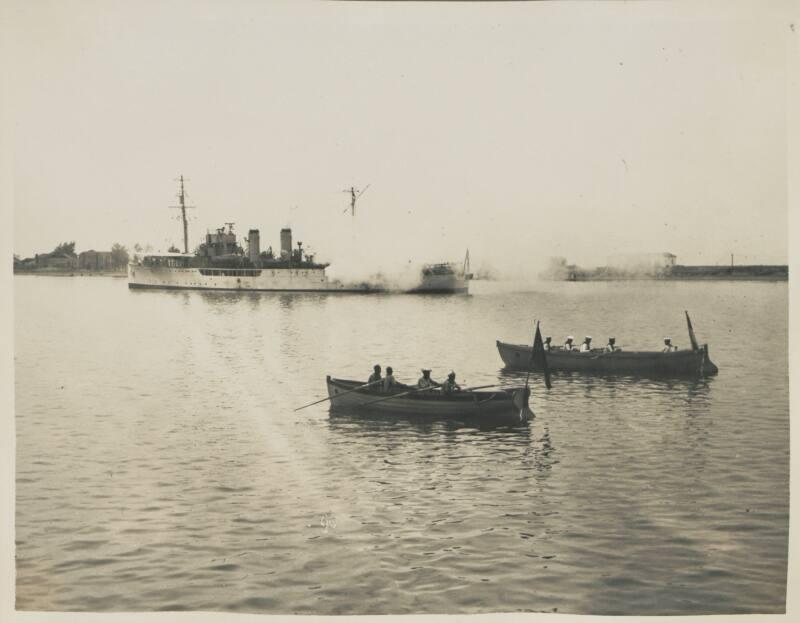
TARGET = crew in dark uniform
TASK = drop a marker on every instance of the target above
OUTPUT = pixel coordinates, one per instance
(450, 385)
(376, 375)
(389, 381)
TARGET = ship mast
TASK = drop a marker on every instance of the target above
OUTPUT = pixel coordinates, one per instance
(183, 207)
(354, 195)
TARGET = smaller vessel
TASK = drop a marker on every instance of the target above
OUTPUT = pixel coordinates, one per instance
(693, 362)
(444, 278)
(506, 407)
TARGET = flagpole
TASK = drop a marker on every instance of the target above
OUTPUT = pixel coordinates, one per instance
(530, 362)
(539, 356)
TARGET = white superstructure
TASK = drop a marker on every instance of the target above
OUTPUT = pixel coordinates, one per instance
(173, 271)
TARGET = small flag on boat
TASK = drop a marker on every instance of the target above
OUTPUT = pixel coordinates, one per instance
(539, 356)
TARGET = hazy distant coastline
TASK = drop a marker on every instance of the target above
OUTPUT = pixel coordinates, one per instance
(72, 273)
(662, 266)
(688, 273)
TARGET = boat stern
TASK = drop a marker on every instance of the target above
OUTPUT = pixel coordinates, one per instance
(520, 399)
(707, 367)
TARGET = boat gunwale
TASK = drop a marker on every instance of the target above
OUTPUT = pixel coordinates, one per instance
(683, 352)
(684, 362)
(468, 397)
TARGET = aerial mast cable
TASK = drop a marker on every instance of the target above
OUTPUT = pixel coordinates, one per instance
(183, 207)
(354, 195)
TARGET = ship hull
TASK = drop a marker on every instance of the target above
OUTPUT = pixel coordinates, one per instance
(268, 279)
(441, 284)
(503, 408)
(239, 280)
(681, 363)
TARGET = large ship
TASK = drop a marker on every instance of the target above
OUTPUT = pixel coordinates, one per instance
(221, 263)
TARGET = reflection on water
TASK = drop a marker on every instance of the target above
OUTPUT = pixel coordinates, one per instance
(365, 420)
(615, 380)
(161, 465)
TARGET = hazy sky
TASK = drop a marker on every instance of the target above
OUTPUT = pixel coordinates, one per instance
(519, 130)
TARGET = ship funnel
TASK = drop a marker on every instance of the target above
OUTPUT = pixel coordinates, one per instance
(286, 243)
(253, 246)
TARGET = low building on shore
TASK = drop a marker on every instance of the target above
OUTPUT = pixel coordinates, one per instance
(95, 260)
(55, 261)
(29, 263)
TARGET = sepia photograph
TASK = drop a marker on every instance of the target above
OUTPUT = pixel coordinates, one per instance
(345, 308)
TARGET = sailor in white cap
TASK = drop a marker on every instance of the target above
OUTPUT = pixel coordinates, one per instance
(668, 347)
(612, 347)
(568, 343)
(587, 344)
(426, 381)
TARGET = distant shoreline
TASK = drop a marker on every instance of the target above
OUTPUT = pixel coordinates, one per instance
(575, 277)
(779, 272)
(686, 278)
(73, 273)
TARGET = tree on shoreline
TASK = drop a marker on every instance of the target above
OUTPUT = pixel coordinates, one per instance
(119, 255)
(65, 248)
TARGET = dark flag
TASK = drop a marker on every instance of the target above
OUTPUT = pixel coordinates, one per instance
(692, 338)
(539, 356)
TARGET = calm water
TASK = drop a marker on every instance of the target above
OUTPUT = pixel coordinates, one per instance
(160, 464)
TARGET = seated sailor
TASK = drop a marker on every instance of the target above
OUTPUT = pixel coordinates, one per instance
(450, 385)
(376, 374)
(668, 346)
(547, 341)
(389, 381)
(612, 347)
(587, 344)
(426, 381)
(568, 344)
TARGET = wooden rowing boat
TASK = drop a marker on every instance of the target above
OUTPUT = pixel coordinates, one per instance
(507, 407)
(643, 363)
(693, 362)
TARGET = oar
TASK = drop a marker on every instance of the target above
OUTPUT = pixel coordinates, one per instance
(472, 389)
(349, 391)
(420, 389)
